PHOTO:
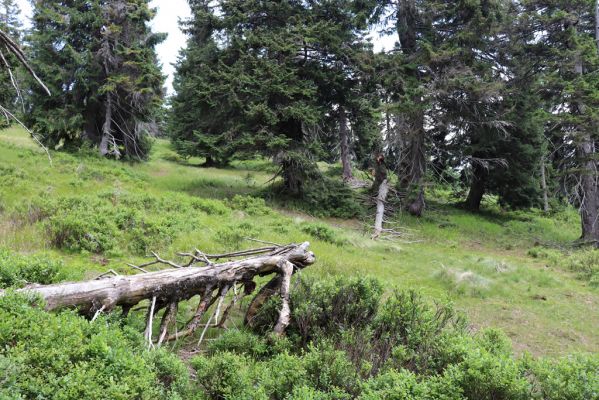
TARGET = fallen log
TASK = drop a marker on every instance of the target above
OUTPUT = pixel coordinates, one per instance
(166, 288)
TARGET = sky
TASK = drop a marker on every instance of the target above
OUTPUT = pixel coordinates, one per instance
(168, 14)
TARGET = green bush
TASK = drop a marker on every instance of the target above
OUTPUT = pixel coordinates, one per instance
(322, 232)
(18, 270)
(486, 376)
(328, 197)
(228, 376)
(322, 197)
(344, 342)
(393, 385)
(233, 235)
(63, 356)
(100, 223)
(585, 263)
(250, 205)
(240, 342)
(404, 332)
(331, 371)
(572, 378)
(79, 229)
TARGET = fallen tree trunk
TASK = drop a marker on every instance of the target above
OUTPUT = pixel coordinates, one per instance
(165, 288)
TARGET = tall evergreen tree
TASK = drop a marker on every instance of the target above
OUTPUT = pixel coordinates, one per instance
(567, 36)
(406, 79)
(266, 77)
(460, 96)
(99, 60)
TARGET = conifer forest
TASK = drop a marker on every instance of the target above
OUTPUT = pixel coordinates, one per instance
(299, 199)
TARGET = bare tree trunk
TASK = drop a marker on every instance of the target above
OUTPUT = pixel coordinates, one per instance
(380, 209)
(544, 186)
(589, 207)
(344, 140)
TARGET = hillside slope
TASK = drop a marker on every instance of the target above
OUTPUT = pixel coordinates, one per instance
(501, 268)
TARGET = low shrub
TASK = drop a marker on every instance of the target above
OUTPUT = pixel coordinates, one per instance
(99, 223)
(328, 197)
(63, 356)
(18, 270)
(233, 235)
(586, 264)
(228, 376)
(322, 197)
(322, 232)
(250, 205)
(571, 378)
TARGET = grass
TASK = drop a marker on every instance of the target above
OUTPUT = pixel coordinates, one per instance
(482, 262)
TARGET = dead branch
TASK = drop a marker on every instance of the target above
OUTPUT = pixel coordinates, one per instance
(166, 288)
(16, 50)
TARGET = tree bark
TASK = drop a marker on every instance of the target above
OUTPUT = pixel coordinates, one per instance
(344, 144)
(586, 151)
(477, 189)
(413, 158)
(106, 127)
(380, 209)
(589, 207)
(171, 285)
(544, 186)
(380, 172)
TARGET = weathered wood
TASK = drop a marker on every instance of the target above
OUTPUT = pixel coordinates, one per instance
(344, 145)
(167, 285)
(380, 208)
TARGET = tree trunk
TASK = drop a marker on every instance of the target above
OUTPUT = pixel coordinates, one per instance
(477, 189)
(106, 127)
(544, 186)
(170, 286)
(344, 144)
(380, 209)
(414, 158)
(380, 172)
(589, 207)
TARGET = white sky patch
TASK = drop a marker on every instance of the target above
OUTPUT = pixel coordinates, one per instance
(169, 12)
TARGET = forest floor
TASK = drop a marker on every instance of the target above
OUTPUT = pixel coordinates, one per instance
(501, 268)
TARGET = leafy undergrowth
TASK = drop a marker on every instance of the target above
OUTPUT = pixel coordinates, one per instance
(344, 342)
(503, 269)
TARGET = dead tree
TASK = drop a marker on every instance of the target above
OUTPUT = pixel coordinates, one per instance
(344, 145)
(198, 277)
(380, 208)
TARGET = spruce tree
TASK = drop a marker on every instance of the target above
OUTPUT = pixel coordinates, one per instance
(99, 61)
(569, 53)
(267, 77)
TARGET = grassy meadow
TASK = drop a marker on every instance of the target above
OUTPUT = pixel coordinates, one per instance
(511, 270)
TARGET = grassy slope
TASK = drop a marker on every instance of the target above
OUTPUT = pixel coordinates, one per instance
(478, 261)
